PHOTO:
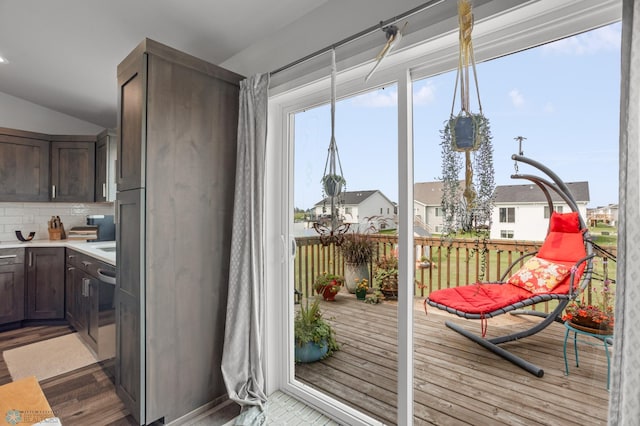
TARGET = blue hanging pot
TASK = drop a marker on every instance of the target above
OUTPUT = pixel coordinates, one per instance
(465, 132)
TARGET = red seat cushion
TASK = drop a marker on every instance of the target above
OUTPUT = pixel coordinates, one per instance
(479, 298)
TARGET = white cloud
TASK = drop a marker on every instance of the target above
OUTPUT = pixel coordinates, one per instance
(425, 95)
(378, 99)
(516, 98)
(549, 108)
(601, 39)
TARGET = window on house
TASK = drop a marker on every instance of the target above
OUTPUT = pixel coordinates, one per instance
(438, 211)
(387, 210)
(546, 211)
(507, 214)
(380, 210)
(347, 210)
(506, 234)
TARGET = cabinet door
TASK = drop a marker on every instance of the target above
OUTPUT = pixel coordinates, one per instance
(24, 169)
(93, 311)
(106, 148)
(73, 171)
(45, 283)
(131, 126)
(129, 366)
(101, 170)
(11, 293)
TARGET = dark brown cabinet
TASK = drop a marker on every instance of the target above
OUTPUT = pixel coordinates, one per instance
(90, 305)
(45, 276)
(73, 170)
(38, 167)
(105, 188)
(11, 285)
(24, 166)
(74, 303)
(177, 126)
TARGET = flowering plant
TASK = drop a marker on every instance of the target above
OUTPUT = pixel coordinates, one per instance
(362, 284)
(325, 279)
(597, 313)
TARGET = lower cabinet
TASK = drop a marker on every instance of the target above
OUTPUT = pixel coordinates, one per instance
(90, 307)
(11, 285)
(45, 283)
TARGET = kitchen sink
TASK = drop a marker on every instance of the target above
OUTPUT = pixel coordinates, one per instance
(107, 249)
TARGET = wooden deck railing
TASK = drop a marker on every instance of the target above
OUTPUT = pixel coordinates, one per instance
(452, 262)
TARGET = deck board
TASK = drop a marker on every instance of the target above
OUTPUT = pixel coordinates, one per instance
(456, 381)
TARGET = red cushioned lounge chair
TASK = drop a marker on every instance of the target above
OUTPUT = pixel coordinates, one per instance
(560, 271)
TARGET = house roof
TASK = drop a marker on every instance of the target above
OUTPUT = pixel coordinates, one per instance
(532, 194)
(430, 193)
(354, 198)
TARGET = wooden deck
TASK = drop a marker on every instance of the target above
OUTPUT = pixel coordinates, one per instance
(457, 381)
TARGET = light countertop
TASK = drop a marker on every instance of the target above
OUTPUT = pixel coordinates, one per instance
(101, 250)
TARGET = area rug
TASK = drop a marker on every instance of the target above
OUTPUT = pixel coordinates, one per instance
(23, 402)
(48, 358)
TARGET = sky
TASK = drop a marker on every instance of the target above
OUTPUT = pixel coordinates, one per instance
(563, 97)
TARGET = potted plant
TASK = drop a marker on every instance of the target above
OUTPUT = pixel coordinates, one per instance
(357, 250)
(332, 184)
(361, 288)
(328, 285)
(314, 337)
(596, 315)
(386, 276)
(425, 263)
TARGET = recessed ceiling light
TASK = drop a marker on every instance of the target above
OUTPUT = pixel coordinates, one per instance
(3, 60)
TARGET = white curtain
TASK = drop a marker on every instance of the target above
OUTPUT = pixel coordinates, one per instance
(242, 360)
(624, 401)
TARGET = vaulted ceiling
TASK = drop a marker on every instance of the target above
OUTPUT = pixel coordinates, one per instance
(64, 54)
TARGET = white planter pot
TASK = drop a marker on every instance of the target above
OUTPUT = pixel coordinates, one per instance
(353, 272)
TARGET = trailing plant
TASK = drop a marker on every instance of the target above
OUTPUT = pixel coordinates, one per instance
(310, 326)
(470, 212)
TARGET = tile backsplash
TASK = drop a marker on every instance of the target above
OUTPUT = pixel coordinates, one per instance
(30, 217)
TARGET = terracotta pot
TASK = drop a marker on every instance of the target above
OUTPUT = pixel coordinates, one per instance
(327, 294)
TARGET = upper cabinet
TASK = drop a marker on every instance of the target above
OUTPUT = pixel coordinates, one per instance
(106, 148)
(132, 140)
(24, 166)
(73, 169)
(39, 167)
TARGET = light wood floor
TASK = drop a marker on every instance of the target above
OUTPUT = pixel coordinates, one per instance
(457, 381)
(81, 397)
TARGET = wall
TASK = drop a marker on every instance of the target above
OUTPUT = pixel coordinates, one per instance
(28, 217)
(16, 113)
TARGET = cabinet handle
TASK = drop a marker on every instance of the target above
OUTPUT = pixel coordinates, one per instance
(30, 259)
(85, 263)
(8, 256)
(53, 191)
(71, 256)
(71, 268)
(85, 287)
(104, 190)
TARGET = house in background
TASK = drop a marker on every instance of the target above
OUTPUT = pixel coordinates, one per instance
(427, 205)
(521, 211)
(357, 206)
(603, 214)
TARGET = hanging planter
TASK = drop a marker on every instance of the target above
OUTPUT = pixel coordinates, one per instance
(466, 134)
(332, 184)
